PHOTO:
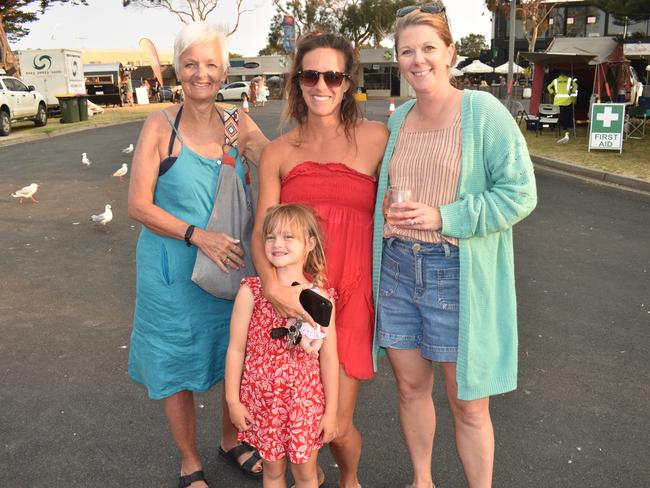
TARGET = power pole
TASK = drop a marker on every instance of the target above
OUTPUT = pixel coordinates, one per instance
(511, 50)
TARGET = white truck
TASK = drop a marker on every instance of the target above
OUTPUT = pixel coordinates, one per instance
(53, 72)
(19, 102)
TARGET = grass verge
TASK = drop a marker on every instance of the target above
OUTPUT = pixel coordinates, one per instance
(634, 161)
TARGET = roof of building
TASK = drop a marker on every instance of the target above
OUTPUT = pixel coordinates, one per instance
(578, 50)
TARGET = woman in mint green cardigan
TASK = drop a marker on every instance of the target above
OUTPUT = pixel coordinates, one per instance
(470, 327)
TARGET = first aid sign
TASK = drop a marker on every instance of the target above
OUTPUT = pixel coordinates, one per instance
(606, 129)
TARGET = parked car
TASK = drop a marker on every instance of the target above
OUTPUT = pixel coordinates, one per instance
(20, 102)
(234, 91)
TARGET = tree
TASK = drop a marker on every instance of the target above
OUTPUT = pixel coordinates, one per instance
(14, 14)
(471, 45)
(363, 22)
(635, 9)
(533, 14)
(189, 10)
(308, 15)
(274, 45)
(369, 21)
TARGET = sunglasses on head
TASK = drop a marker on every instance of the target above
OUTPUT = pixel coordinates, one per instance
(429, 8)
(310, 77)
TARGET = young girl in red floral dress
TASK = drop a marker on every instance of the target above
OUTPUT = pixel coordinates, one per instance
(283, 400)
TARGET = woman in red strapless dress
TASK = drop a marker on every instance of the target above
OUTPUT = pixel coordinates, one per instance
(329, 162)
(344, 201)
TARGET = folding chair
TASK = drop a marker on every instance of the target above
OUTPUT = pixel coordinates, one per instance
(635, 122)
(549, 116)
(532, 122)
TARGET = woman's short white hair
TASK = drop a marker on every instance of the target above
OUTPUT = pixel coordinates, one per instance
(197, 32)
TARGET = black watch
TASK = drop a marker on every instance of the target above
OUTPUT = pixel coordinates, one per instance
(188, 234)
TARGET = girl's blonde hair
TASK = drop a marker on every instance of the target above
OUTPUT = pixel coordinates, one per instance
(437, 21)
(304, 223)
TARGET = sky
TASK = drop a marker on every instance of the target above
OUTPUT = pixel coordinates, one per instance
(105, 24)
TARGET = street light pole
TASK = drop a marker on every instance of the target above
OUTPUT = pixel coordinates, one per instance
(511, 49)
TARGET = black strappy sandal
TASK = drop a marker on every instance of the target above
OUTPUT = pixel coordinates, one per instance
(185, 481)
(247, 466)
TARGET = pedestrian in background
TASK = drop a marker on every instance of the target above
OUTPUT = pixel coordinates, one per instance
(460, 177)
(180, 332)
(261, 92)
(252, 92)
(128, 89)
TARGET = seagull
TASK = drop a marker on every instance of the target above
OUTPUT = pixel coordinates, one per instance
(564, 140)
(26, 192)
(128, 150)
(85, 161)
(121, 172)
(103, 218)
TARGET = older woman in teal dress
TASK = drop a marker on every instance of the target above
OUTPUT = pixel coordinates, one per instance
(180, 332)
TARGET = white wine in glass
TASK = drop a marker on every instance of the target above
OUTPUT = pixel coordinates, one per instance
(396, 194)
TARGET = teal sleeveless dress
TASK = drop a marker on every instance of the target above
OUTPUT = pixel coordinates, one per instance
(180, 332)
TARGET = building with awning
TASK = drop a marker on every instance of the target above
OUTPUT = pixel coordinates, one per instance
(597, 63)
(639, 50)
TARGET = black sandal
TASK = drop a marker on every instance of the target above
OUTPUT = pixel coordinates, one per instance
(185, 481)
(246, 467)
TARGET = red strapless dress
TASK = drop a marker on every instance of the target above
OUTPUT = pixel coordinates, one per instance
(344, 200)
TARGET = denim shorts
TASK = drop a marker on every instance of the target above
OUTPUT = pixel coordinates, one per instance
(418, 298)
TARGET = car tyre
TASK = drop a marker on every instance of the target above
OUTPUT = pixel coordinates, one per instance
(219, 97)
(5, 123)
(41, 116)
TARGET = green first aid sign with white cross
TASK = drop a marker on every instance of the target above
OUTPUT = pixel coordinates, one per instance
(606, 129)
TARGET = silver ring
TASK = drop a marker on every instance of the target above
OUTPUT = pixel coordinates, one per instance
(413, 222)
(302, 314)
(225, 260)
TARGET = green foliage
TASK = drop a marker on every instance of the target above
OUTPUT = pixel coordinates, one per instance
(274, 45)
(635, 9)
(471, 45)
(16, 13)
(369, 21)
(364, 22)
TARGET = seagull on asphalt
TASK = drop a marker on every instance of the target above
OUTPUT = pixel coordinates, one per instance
(120, 173)
(564, 140)
(26, 192)
(85, 161)
(128, 150)
(103, 218)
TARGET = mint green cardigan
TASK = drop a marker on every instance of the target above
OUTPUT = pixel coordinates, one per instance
(496, 190)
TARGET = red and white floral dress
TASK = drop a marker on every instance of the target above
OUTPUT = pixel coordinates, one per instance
(280, 387)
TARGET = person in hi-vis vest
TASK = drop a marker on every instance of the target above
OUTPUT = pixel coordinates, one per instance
(565, 92)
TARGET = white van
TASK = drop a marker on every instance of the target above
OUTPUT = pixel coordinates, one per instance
(53, 72)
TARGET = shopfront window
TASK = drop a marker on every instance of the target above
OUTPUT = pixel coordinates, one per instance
(556, 22)
(595, 22)
(616, 26)
(575, 21)
(377, 77)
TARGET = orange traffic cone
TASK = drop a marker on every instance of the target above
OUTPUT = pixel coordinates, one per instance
(391, 107)
(245, 106)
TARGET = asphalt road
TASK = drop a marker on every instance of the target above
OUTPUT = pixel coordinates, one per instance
(70, 417)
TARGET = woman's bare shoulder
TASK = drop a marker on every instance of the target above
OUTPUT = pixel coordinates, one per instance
(372, 130)
(157, 121)
(281, 146)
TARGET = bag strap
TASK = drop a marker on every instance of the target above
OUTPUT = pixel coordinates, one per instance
(230, 119)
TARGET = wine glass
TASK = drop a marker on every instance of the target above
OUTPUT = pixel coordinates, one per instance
(396, 194)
